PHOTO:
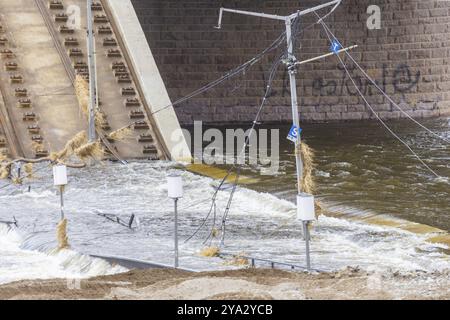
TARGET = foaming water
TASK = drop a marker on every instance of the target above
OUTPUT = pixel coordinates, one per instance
(19, 263)
(260, 224)
(362, 166)
(358, 174)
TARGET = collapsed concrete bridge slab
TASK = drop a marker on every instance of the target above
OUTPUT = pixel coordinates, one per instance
(43, 52)
(146, 46)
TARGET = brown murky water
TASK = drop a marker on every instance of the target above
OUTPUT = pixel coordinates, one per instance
(362, 167)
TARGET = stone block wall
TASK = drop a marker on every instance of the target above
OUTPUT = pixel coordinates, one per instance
(409, 57)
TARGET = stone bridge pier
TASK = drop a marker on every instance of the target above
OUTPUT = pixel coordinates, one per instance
(408, 55)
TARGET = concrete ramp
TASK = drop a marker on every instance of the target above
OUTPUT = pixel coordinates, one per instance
(150, 81)
(42, 50)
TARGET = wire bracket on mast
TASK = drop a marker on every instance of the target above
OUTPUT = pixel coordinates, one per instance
(291, 64)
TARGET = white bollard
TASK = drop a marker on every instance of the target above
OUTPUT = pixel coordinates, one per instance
(175, 192)
(306, 212)
(60, 180)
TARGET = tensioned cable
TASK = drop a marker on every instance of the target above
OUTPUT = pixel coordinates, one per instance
(375, 114)
(236, 179)
(266, 96)
(296, 29)
(280, 40)
(384, 93)
(293, 37)
(255, 122)
(228, 75)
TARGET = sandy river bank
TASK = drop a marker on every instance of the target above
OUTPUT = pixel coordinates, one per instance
(239, 284)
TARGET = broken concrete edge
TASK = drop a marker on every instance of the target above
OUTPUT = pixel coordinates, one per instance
(431, 234)
(135, 263)
(218, 174)
(150, 80)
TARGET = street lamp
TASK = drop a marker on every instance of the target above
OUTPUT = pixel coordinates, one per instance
(175, 192)
(306, 213)
(60, 180)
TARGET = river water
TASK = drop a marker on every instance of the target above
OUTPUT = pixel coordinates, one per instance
(360, 170)
(361, 166)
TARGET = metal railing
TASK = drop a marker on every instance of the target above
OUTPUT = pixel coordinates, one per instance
(272, 264)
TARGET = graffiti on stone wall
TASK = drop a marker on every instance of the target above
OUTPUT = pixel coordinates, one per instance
(402, 80)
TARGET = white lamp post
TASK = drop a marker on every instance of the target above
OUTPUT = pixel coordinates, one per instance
(175, 192)
(60, 180)
(306, 213)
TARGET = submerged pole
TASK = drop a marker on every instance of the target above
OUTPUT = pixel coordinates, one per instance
(305, 202)
(175, 192)
(292, 70)
(60, 181)
(295, 115)
(92, 72)
(176, 232)
(61, 198)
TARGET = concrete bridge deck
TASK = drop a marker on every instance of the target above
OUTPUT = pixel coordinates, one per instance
(42, 51)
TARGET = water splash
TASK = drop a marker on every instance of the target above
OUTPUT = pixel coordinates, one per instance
(19, 263)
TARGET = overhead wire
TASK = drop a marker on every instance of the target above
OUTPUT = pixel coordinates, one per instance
(230, 170)
(285, 54)
(273, 70)
(382, 91)
(230, 74)
(247, 141)
(241, 69)
(373, 111)
(225, 178)
(321, 21)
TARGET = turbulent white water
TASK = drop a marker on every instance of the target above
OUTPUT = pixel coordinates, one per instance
(18, 263)
(259, 224)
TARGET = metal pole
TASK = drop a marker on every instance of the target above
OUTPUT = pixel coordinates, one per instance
(176, 233)
(96, 77)
(295, 115)
(296, 120)
(307, 239)
(92, 72)
(291, 64)
(61, 197)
